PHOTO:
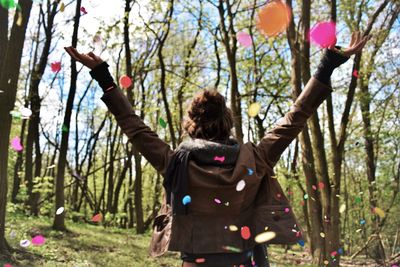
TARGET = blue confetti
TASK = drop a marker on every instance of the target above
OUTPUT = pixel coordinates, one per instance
(186, 200)
(301, 242)
(340, 251)
(250, 171)
(362, 222)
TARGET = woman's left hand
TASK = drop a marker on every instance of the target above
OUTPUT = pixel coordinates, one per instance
(357, 43)
(90, 60)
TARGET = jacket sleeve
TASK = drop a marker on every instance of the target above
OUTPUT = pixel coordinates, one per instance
(146, 141)
(278, 139)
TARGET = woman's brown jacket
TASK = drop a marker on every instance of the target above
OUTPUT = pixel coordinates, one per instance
(260, 206)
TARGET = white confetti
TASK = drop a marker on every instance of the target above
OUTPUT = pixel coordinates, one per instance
(240, 185)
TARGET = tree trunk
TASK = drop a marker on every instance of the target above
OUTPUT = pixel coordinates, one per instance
(59, 220)
(9, 72)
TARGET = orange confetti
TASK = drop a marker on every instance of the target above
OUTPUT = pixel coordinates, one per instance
(273, 18)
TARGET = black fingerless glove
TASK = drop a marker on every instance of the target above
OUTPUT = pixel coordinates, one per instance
(329, 62)
(101, 74)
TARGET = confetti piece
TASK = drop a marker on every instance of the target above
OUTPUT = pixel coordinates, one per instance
(326, 262)
(25, 113)
(97, 218)
(83, 10)
(15, 114)
(301, 242)
(355, 73)
(358, 200)
(340, 251)
(220, 159)
(323, 34)
(273, 18)
(200, 260)
(62, 7)
(334, 253)
(38, 240)
(265, 237)
(250, 171)
(186, 200)
(278, 195)
(16, 144)
(60, 211)
(162, 123)
(358, 230)
(25, 243)
(226, 203)
(233, 228)
(13, 234)
(232, 249)
(362, 221)
(244, 39)
(97, 39)
(19, 19)
(302, 203)
(56, 66)
(125, 82)
(7, 4)
(218, 201)
(314, 187)
(342, 208)
(379, 212)
(254, 109)
(240, 185)
(322, 234)
(321, 185)
(245, 232)
(306, 196)
(287, 210)
(64, 128)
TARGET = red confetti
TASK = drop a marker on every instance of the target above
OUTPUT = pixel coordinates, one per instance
(321, 185)
(83, 10)
(333, 253)
(302, 203)
(355, 73)
(245, 232)
(97, 218)
(56, 66)
(125, 82)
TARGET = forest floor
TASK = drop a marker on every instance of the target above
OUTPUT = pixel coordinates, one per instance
(91, 245)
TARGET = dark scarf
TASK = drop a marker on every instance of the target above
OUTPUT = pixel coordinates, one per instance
(202, 152)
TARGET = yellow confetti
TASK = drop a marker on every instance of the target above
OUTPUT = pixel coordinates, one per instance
(379, 212)
(358, 230)
(19, 20)
(233, 228)
(322, 234)
(326, 262)
(254, 109)
(62, 7)
(265, 237)
(342, 208)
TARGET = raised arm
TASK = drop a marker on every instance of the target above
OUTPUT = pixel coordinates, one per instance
(146, 141)
(314, 93)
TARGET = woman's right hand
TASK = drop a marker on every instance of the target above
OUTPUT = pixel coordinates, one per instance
(89, 60)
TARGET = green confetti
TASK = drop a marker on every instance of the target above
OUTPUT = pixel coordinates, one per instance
(162, 123)
(358, 200)
(7, 4)
(305, 196)
(15, 114)
(64, 128)
(231, 248)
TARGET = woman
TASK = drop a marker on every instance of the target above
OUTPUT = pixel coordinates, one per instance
(222, 192)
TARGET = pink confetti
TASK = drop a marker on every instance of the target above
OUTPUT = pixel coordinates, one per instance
(244, 39)
(218, 201)
(220, 159)
(83, 10)
(38, 240)
(314, 187)
(323, 34)
(287, 210)
(200, 260)
(278, 195)
(16, 144)
(56, 66)
(7, 265)
(355, 73)
(333, 253)
(245, 232)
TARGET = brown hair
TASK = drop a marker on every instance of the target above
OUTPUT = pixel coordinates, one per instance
(208, 117)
